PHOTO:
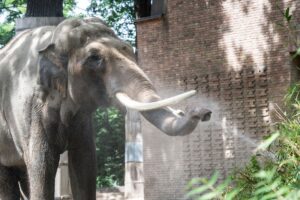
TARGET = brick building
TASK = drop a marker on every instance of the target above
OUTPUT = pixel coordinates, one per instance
(235, 56)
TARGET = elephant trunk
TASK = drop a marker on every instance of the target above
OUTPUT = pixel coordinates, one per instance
(165, 118)
(174, 125)
(139, 94)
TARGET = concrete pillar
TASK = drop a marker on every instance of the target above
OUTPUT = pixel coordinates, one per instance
(62, 180)
(33, 22)
(134, 172)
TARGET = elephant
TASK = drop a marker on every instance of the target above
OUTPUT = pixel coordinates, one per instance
(52, 79)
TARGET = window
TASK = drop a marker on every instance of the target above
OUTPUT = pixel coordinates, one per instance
(149, 8)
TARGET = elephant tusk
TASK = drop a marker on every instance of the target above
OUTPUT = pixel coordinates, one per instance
(177, 113)
(135, 105)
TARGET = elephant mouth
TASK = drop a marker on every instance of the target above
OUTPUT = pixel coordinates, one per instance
(140, 106)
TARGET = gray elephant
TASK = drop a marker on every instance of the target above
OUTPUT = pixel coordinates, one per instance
(51, 81)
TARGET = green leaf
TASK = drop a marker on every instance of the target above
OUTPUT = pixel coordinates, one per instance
(213, 179)
(208, 196)
(287, 12)
(269, 196)
(22, 9)
(207, 184)
(262, 190)
(266, 174)
(197, 191)
(266, 143)
(232, 194)
(287, 15)
(282, 191)
(220, 188)
(8, 3)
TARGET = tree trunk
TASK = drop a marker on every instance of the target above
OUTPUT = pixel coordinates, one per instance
(142, 8)
(44, 8)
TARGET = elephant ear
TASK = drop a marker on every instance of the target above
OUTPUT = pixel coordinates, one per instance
(52, 70)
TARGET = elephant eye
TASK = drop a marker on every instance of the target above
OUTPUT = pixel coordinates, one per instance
(95, 63)
(94, 57)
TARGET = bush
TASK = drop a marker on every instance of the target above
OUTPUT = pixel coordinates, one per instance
(276, 176)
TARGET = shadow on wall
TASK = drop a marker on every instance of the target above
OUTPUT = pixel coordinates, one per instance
(236, 56)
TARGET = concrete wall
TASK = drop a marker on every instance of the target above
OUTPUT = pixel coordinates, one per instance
(235, 56)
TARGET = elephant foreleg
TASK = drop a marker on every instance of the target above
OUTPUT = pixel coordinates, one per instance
(41, 172)
(9, 188)
(42, 162)
(82, 162)
(82, 174)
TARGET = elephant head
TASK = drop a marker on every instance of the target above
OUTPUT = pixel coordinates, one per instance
(90, 66)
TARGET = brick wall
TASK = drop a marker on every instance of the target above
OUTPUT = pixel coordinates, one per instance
(235, 56)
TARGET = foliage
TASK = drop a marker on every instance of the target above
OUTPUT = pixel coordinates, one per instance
(68, 7)
(110, 141)
(293, 99)
(118, 14)
(10, 10)
(273, 173)
(203, 189)
(6, 33)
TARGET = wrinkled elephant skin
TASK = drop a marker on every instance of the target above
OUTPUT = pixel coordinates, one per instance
(51, 81)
